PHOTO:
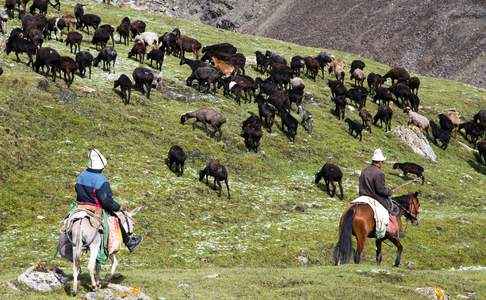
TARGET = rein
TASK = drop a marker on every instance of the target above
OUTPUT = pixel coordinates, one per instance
(408, 213)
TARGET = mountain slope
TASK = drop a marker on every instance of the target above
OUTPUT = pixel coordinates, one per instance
(276, 212)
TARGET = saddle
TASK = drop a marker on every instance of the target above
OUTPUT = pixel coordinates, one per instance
(92, 213)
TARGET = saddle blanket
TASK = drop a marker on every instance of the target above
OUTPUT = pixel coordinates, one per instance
(381, 214)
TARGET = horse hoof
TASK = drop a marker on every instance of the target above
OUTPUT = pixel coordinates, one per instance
(73, 293)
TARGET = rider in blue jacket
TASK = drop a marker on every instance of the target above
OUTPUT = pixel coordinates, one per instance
(92, 188)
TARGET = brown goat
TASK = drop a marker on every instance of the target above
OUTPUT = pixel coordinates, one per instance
(185, 43)
(312, 67)
(397, 73)
(70, 22)
(74, 38)
(338, 67)
(206, 116)
(68, 67)
(222, 67)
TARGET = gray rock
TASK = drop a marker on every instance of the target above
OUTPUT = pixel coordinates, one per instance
(432, 293)
(417, 141)
(117, 292)
(39, 279)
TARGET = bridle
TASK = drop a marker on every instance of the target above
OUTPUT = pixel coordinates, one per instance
(407, 212)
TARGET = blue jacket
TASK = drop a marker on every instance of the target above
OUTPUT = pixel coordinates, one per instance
(92, 188)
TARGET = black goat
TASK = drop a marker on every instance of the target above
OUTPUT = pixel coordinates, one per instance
(261, 62)
(108, 56)
(402, 93)
(168, 40)
(481, 146)
(382, 94)
(218, 172)
(176, 158)
(204, 76)
(123, 31)
(340, 109)
(296, 95)
(440, 134)
(89, 20)
(384, 114)
(297, 64)
(471, 129)
(266, 86)
(125, 85)
(414, 84)
(138, 50)
(194, 64)
(252, 132)
(20, 45)
(331, 173)
(411, 168)
(355, 127)
(143, 76)
(266, 112)
(157, 55)
(358, 95)
(374, 81)
(414, 102)
(357, 64)
(323, 59)
(446, 123)
(289, 124)
(84, 60)
(337, 88)
(100, 37)
(50, 58)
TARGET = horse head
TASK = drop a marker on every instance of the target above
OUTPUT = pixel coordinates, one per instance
(126, 219)
(413, 209)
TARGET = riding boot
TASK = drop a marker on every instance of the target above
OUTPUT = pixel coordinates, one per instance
(132, 242)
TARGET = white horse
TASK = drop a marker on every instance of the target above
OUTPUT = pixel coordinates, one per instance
(84, 235)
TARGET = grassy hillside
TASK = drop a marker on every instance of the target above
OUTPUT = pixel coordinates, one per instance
(276, 212)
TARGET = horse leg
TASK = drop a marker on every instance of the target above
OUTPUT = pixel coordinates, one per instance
(399, 246)
(114, 264)
(378, 251)
(97, 274)
(361, 240)
(93, 250)
(76, 256)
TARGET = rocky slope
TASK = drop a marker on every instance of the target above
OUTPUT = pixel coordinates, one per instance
(440, 38)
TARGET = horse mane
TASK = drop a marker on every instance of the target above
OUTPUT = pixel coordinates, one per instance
(403, 200)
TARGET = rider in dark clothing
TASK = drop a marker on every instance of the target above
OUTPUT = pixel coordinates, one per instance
(92, 188)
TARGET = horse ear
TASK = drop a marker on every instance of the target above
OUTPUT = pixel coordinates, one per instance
(416, 194)
(133, 212)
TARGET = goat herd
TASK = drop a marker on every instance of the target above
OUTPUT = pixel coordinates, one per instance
(221, 66)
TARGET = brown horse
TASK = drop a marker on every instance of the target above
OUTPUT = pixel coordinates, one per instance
(358, 220)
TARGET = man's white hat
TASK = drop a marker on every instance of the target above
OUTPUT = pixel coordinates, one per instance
(96, 160)
(378, 155)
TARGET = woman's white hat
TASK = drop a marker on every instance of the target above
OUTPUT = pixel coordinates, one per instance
(96, 160)
(378, 155)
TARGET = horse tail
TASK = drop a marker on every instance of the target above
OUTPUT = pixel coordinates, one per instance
(344, 248)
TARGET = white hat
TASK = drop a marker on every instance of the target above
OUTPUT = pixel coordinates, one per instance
(378, 156)
(96, 160)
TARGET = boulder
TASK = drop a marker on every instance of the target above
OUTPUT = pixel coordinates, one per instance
(42, 280)
(117, 292)
(414, 138)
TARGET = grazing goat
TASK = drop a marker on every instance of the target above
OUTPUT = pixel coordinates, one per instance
(206, 116)
(42, 5)
(411, 168)
(50, 58)
(252, 132)
(262, 62)
(289, 124)
(295, 96)
(137, 27)
(138, 50)
(323, 59)
(108, 56)
(397, 73)
(384, 114)
(215, 169)
(402, 93)
(168, 40)
(312, 67)
(100, 37)
(19, 45)
(204, 75)
(143, 76)
(414, 102)
(297, 64)
(111, 31)
(440, 134)
(79, 13)
(55, 24)
(218, 50)
(89, 20)
(383, 94)
(266, 111)
(331, 173)
(274, 58)
(481, 146)
(337, 67)
(414, 84)
(185, 43)
(149, 38)
(472, 130)
(374, 81)
(355, 127)
(230, 86)
(125, 85)
(281, 74)
(340, 110)
(358, 76)
(36, 36)
(357, 64)
(194, 64)
(446, 123)
(297, 83)
(74, 39)
(123, 31)
(157, 55)
(307, 119)
(176, 159)
(480, 118)
(70, 22)
(266, 86)
(418, 120)
(366, 118)
(84, 60)
(280, 100)
(222, 67)
(33, 22)
(337, 88)
(358, 95)
(68, 66)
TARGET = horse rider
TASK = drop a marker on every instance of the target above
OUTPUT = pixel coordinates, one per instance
(94, 193)
(372, 184)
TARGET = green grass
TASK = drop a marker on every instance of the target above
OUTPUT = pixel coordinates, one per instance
(256, 236)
